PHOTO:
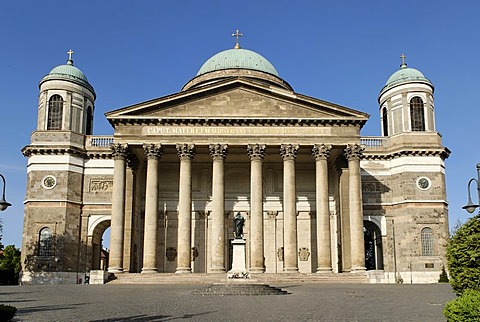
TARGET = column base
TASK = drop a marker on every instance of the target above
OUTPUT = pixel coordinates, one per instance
(257, 270)
(290, 269)
(115, 270)
(147, 270)
(183, 270)
(324, 270)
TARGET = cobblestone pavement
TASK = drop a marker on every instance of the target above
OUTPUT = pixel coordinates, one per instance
(306, 302)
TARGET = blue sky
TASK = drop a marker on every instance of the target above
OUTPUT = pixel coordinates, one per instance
(338, 51)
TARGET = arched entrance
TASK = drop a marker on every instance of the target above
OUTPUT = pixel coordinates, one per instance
(98, 253)
(373, 246)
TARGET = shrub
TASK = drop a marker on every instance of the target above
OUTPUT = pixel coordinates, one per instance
(7, 312)
(463, 255)
(464, 308)
(443, 276)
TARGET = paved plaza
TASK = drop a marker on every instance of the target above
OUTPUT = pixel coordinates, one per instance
(306, 302)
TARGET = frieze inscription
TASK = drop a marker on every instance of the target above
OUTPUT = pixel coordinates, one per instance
(216, 130)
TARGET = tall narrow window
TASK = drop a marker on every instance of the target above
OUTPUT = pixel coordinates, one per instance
(45, 242)
(427, 242)
(385, 121)
(417, 114)
(55, 113)
(89, 125)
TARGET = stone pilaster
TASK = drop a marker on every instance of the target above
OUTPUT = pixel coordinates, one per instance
(185, 152)
(321, 153)
(153, 153)
(120, 155)
(256, 152)
(219, 153)
(289, 154)
(353, 153)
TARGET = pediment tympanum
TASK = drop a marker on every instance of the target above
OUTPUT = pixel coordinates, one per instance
(236, 99)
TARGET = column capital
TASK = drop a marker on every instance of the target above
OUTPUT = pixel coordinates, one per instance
(153, 151)
(289, 151)
(218, 151)
(353, 151)
(185, 151)
(321, 151)
(119, 151)
(256, 151)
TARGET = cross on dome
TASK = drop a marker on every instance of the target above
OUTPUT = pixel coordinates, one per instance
(237, 34)
(70, 53)
(403, 65)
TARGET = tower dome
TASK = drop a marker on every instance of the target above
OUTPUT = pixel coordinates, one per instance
(405, 75)
(68, 72)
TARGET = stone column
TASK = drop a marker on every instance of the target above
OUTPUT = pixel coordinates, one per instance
(256, 152)
(120, 154)
(320, 153)
(353, 153)
(185, 152)
(219, 154)
(289, 154)
(130, 189)
(152, 153)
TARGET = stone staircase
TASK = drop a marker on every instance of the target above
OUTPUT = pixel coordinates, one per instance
(267, 279)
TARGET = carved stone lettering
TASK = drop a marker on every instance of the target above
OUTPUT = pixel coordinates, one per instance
(101, 185)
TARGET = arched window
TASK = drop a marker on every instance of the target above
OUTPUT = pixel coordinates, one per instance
(45, 242)
(385, 121)
(417, 114)
(55, 113)
(427, 242)
(89, 125)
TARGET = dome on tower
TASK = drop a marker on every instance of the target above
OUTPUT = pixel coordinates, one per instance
(68, 72)
(237, 58)
(405, 75)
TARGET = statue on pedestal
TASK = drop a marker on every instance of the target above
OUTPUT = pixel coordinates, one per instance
(238, 222)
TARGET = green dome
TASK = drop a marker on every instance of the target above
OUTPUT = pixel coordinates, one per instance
(70, 73)
(237, 58)
(405, 74)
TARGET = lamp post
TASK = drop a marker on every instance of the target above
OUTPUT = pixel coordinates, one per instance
(3, 203)
(470, 206)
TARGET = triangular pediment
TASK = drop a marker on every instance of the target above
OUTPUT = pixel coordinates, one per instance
(237, 99)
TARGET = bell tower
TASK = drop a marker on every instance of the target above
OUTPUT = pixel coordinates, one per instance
(66, 100)
(55, 177)
(406, 102)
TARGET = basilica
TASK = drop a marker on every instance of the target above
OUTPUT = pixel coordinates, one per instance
(317, 196)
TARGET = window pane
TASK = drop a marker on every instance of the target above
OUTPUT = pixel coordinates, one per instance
(427, 242)
(55, 113)
(417, 114)
(45, 245)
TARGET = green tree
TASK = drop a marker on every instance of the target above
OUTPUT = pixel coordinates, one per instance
(10, 265)
(463, 255)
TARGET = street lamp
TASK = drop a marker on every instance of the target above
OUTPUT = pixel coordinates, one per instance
(470, 206)
(3, 203)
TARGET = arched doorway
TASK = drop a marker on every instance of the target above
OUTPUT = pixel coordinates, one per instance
(99, 228)
(373, 246)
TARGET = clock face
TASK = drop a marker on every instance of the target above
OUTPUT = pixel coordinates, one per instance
(49, 182)
(423, 183)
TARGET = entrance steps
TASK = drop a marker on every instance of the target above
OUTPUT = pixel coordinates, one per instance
(266, 278)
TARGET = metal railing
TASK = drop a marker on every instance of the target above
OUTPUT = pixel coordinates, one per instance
(99, 141)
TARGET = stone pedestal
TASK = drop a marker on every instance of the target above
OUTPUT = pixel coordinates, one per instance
(239, 266)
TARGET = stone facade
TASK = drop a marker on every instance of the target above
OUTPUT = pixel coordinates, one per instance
(316, 195)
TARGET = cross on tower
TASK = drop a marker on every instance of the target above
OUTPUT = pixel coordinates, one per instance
(70, 53)
(237, 34)
(402, 56)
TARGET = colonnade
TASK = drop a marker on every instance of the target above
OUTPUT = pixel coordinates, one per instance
(256, 153)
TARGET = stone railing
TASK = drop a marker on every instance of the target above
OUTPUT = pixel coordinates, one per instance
(374, 142)
(99, 141)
